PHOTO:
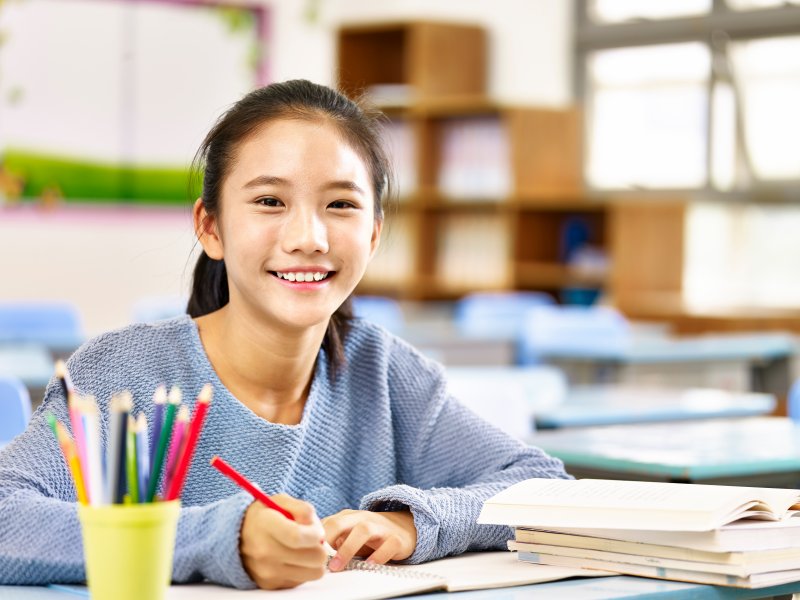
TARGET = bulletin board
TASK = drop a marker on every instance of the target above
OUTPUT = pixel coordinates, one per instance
(108, 100)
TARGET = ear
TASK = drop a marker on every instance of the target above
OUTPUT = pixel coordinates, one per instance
(205, 226)
(375, 240)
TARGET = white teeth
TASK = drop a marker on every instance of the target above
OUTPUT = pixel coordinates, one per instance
(302, 276)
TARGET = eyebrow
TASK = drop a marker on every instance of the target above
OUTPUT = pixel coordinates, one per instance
(265, 180)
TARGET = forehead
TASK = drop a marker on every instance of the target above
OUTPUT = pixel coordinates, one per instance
(294, 148)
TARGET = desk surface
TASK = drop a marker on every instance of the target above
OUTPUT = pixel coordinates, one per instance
(620, 404)
(715, 448)
(575, 589)
(766, 346)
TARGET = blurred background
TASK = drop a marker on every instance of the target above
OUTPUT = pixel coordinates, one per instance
(635, 157)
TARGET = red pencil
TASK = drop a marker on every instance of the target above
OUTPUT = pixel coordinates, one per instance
(182, 468)
(248, 486)
(257, 493)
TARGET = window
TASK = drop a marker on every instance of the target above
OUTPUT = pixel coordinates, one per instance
(648, 119)
(690, 94)
(702, 97)
(620, 11)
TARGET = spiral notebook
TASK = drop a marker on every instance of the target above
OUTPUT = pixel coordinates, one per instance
(472, 571)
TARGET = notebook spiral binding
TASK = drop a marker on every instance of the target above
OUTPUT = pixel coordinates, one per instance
(361, 565)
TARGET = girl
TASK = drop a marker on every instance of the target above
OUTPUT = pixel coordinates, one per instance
(333, 414)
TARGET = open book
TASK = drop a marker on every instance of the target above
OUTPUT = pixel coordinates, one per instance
(472, 571)
(640, 505)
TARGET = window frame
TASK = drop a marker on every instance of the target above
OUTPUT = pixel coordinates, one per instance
(715, 29)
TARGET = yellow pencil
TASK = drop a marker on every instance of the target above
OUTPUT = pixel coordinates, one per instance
(71, 456)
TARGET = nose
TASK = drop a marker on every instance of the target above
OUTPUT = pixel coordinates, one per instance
(305, 232)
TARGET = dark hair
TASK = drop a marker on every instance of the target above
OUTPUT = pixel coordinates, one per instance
(299, 99)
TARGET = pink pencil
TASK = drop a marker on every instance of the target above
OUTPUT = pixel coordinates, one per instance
(178, 434)
(192, 435)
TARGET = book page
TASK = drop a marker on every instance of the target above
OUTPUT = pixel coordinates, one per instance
(484, 570)
(639, 494)
(345, 585)
(471, 571)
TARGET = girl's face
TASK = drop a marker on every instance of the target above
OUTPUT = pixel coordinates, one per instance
(296, 226)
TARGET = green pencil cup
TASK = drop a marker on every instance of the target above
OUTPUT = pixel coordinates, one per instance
(128, 549)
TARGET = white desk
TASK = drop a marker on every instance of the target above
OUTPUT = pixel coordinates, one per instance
(598, 588)
(620, 404)
(767, 357)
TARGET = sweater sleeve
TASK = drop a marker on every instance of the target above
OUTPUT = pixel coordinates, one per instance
(40, 536)
(449, 462)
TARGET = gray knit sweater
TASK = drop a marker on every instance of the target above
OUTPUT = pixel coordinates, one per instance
(384, 434)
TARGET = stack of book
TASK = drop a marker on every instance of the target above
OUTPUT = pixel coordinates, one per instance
(720, 535)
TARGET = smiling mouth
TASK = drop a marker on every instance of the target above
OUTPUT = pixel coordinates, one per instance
(303, 276)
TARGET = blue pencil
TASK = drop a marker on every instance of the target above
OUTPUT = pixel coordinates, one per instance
(143, 458)
(160, 399)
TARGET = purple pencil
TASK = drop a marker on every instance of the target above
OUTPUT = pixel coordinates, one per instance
(160, 399)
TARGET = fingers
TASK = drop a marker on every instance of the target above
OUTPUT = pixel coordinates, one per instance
(380, 536)
(302, 512)
(282, 576)
(277, 552)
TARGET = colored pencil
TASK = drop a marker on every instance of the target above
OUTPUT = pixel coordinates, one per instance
(192, 436)
(74, 415)
(115, 450)
(159, 399)
(178, 437)
(71, 456)
(248, 486)
(130, 461)
(63, 378)
(142, 456)
(257, 493)
(94, 458)
(161, 449)
(76, 420)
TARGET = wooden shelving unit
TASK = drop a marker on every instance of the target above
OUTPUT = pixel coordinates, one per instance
(497, 220)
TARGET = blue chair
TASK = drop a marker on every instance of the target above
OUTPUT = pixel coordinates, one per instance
(57, 325)
(793, 402)
(15, 408)
(496, 314)
(572, 332)
(381, 310)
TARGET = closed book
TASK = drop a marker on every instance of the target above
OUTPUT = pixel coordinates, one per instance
(790, 560)
(757, 580)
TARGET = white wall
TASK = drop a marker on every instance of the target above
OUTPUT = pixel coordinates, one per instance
(530, 41)
(104, 260)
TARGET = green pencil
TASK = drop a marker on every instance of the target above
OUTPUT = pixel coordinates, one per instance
(163, 442)
(130, 459)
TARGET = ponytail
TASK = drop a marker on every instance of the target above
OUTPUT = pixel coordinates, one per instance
(209, 287)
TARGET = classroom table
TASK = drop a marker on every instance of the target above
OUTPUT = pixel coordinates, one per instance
(597, 588)
(591, 405)
(768, 356)
(752, 451)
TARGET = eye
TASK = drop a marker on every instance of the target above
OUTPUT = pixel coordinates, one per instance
(269, 201)
(341, 204)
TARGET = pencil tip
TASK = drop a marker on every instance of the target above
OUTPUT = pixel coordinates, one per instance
(160, 395)
(205, 393)
(175, 395)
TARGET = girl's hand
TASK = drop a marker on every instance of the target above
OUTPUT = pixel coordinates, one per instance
(278, 553)
(377, 536)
